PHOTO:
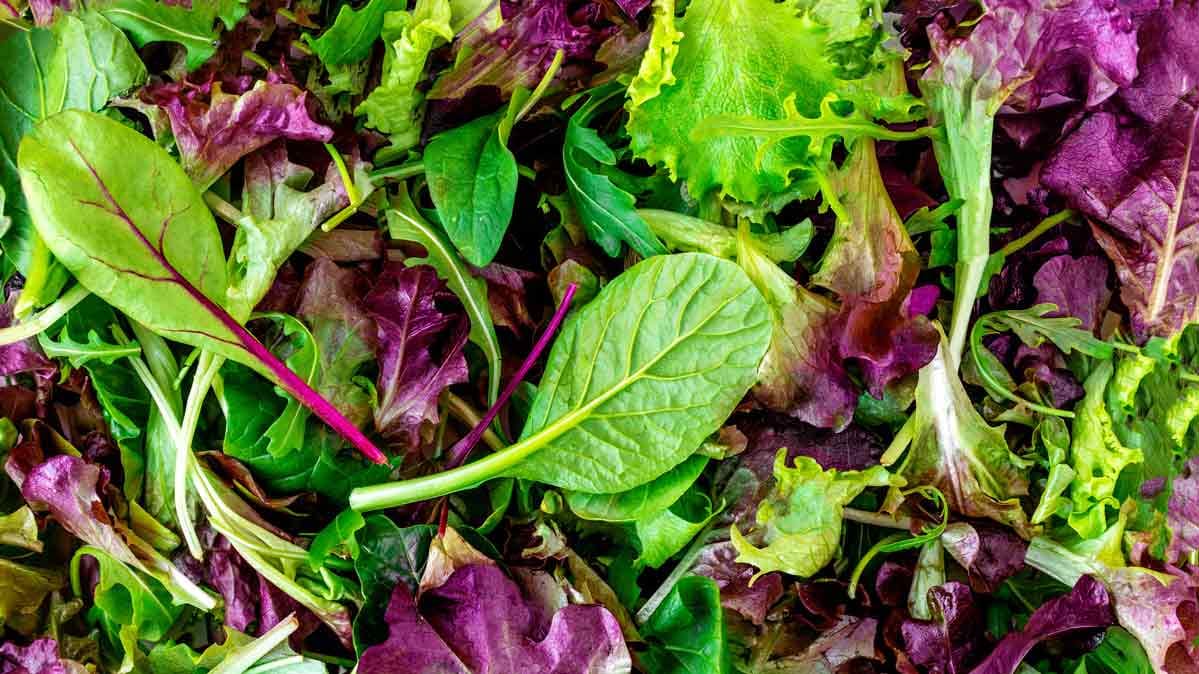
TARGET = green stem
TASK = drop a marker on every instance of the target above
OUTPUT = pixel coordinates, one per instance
(42, 320)
(352, 193)
(542, 86)
(399, 171)
(1035, 233)
(223, 209)
(900, 442)
(395, 494)
(206, 369)
(462, 411)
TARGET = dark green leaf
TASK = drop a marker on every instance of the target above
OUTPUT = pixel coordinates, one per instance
(472, 180)
(193, 25)
(387, 555)
(353, 32)
(685, 635)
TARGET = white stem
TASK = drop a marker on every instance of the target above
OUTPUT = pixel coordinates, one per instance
(241, 659)
(43, 319)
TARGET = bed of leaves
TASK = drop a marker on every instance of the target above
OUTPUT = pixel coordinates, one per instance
(598, 336)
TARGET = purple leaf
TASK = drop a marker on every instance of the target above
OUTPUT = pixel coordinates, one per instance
(1132, 169)
(24, 357)
(43, 10)
(69, 487)
(1077, 285)
(507, 296)
(213, 134)
(1087, 607)
(719, 562)
(39, 657)
(990, 554)
(478, 622)
(1183, 513)
(950, 642)
(419, 350)
(520, 51)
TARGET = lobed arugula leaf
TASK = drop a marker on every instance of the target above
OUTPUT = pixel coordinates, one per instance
(353, 32)
(608, 212)
(191, 25)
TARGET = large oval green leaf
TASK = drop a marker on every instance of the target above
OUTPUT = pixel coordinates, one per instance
(646, 371)
(635, 382)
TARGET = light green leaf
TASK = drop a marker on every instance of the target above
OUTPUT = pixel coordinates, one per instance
(1097, 457)
(656, 69)
(406, 224)
(641, 375)
(19, 529)
(393, 107)
(663, 534)
(642, 501)
(799, 522)
(472, 180)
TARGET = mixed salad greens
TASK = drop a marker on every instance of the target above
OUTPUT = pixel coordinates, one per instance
(597, 336)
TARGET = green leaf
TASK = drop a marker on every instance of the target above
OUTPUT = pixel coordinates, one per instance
(663, 534)
(320, 462)
(82, 62)
(393, 106)
(406, 224)
(786, 53)
(19, 529)
(956, 451)
(686, 634)
(353, 32)
(799, 522)
(156, 256)
(1097, 457)
(472, 180)
(641, 501)
(387, 555)
(639, 377)
(193, 26)
(608, 212)
(656, 69)
(128, 607)
(339, 532)
(635, 382)
(79, 353)
(23, 589)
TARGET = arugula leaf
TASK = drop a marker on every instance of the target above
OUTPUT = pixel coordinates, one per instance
(406, 224)
(353, 32)
(607, 211)
(621, 400)
(641, 501)
(472, 180)
(799, 522)
(159, 260)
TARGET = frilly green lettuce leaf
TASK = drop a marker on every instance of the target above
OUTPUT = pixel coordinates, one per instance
(799, 521)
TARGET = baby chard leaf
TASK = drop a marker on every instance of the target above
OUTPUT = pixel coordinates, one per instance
(155, 255)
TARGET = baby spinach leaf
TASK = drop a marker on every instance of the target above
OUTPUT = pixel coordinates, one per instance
(663, 534)
(646, 371)
(607, 211)
(82, 62)
(406, 224)
(157, 255)
(353, 32)
(387, 555)
(641, 501)
(634, 383)
(192, 25)
(685, 635)
(472, 180)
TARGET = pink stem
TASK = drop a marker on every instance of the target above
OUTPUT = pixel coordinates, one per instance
(460, 451)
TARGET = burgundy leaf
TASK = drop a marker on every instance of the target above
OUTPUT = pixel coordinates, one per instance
(419, 350)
